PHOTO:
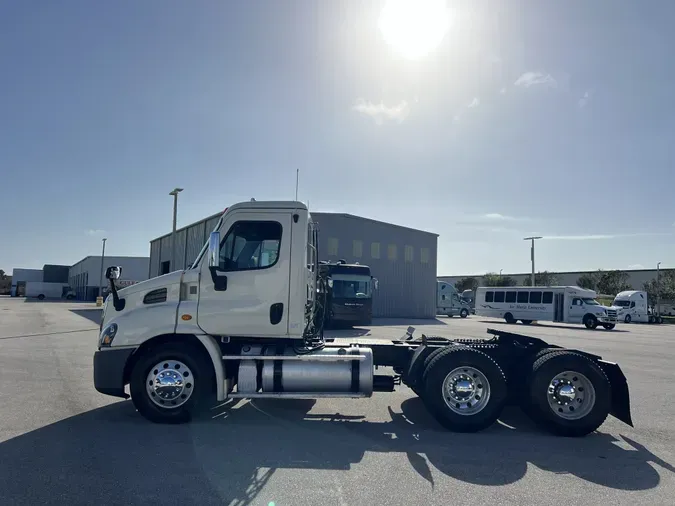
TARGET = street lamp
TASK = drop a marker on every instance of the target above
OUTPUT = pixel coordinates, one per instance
(100, 280)
(534, 238)
(175, 193)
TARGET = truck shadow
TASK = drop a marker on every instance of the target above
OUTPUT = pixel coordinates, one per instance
(93, 315)
(111, 455)
(518, 327)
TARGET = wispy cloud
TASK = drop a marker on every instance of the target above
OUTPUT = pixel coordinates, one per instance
(381, 113)
(95, 231)
(474, 103)
(595, 237)
(529, 79)
(502, 91)
(583, 101)
(636, 266)
(502, 217)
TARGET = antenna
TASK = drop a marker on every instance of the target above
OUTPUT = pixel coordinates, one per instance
(297, 178)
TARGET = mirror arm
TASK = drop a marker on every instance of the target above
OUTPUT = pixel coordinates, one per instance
(118, 303)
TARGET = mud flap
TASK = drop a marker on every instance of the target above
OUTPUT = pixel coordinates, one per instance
(620, 396)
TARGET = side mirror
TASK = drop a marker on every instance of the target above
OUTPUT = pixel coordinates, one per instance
(376, 283)
(214, 249)
(330, 283)
(113, 272)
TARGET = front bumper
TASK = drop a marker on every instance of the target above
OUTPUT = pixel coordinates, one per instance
(608, 319)
(109, 365)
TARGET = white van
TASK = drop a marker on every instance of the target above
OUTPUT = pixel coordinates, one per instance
(567, 304)
(631, 306)
(448, 301)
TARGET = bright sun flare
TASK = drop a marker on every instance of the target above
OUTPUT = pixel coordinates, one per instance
(414, 27)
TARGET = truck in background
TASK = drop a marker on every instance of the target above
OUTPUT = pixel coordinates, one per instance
(41, 290)
(566, 304)
(633, 306)
(449, 302)
(348, 293)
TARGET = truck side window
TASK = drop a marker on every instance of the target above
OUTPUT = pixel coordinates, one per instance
(250, 245)
(510, 296)
(499, 296)
(547, 298)
(576, 302)
(489, 296)
(535, 297)
(632, 304)
(523, 297)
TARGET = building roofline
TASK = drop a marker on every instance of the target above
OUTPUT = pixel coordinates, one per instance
(363, 218)
(344, 215)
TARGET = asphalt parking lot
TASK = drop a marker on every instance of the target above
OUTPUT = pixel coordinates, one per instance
(63, 443)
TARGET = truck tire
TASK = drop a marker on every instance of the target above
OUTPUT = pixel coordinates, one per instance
(609, 326)
(41, 297)
(569, 394)
(509, 318)
(627, 319)
(170, 382)
(526, 322)
(590, 321)
(464, 313)
(464, 389)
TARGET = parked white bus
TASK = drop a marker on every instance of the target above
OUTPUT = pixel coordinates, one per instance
(567, 304)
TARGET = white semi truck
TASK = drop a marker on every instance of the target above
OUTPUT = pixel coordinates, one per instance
(633, 306)
(449, 302)
(245, 321)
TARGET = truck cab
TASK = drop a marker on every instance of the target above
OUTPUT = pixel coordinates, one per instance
(449, 302)
(631, 306)
(348, 293)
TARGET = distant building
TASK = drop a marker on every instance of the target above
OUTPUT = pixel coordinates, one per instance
(84, 276)
(402, 259)
(22, 276)
(636, 278)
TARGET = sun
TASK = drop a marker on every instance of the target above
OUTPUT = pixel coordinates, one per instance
(414, 28)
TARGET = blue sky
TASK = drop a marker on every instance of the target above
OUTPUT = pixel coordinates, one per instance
(549, 118)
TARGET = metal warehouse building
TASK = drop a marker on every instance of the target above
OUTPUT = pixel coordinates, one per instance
(402, 259)
(84, 276)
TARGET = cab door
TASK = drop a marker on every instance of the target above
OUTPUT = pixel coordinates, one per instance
(576, 310)
(247, 294)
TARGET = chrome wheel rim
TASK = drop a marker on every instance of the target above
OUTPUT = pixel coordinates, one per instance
(169, 384)
(571, 395)
(466, 391)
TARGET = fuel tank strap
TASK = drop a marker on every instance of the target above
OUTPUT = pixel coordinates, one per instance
(356, 370)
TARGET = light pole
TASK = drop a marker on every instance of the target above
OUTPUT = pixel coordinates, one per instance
(175, 192)
(100, 281)
(534, 238)
(658, 289)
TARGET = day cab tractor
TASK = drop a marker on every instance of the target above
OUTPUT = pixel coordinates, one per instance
(246, 321)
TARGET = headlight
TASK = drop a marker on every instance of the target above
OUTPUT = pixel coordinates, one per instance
(108, 335)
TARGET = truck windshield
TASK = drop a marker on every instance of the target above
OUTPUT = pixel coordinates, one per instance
(351, 287)
(591, 302)
(622, 303)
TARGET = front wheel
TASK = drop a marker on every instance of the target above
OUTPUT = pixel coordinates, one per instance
(509, 318)
(627, 319)
(464, 313)
(169, 383)
(590, 321)
(526, 322)
(569, 394)
(41, 297)
(609, 326)
(464, 389)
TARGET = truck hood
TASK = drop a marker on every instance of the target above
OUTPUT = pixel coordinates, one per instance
(159, 282)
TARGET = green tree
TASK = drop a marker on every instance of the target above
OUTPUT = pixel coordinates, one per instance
(589, 280)
(612, 282)
(469, 283)
(542, 279)
(494, 279)
(666, 287)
